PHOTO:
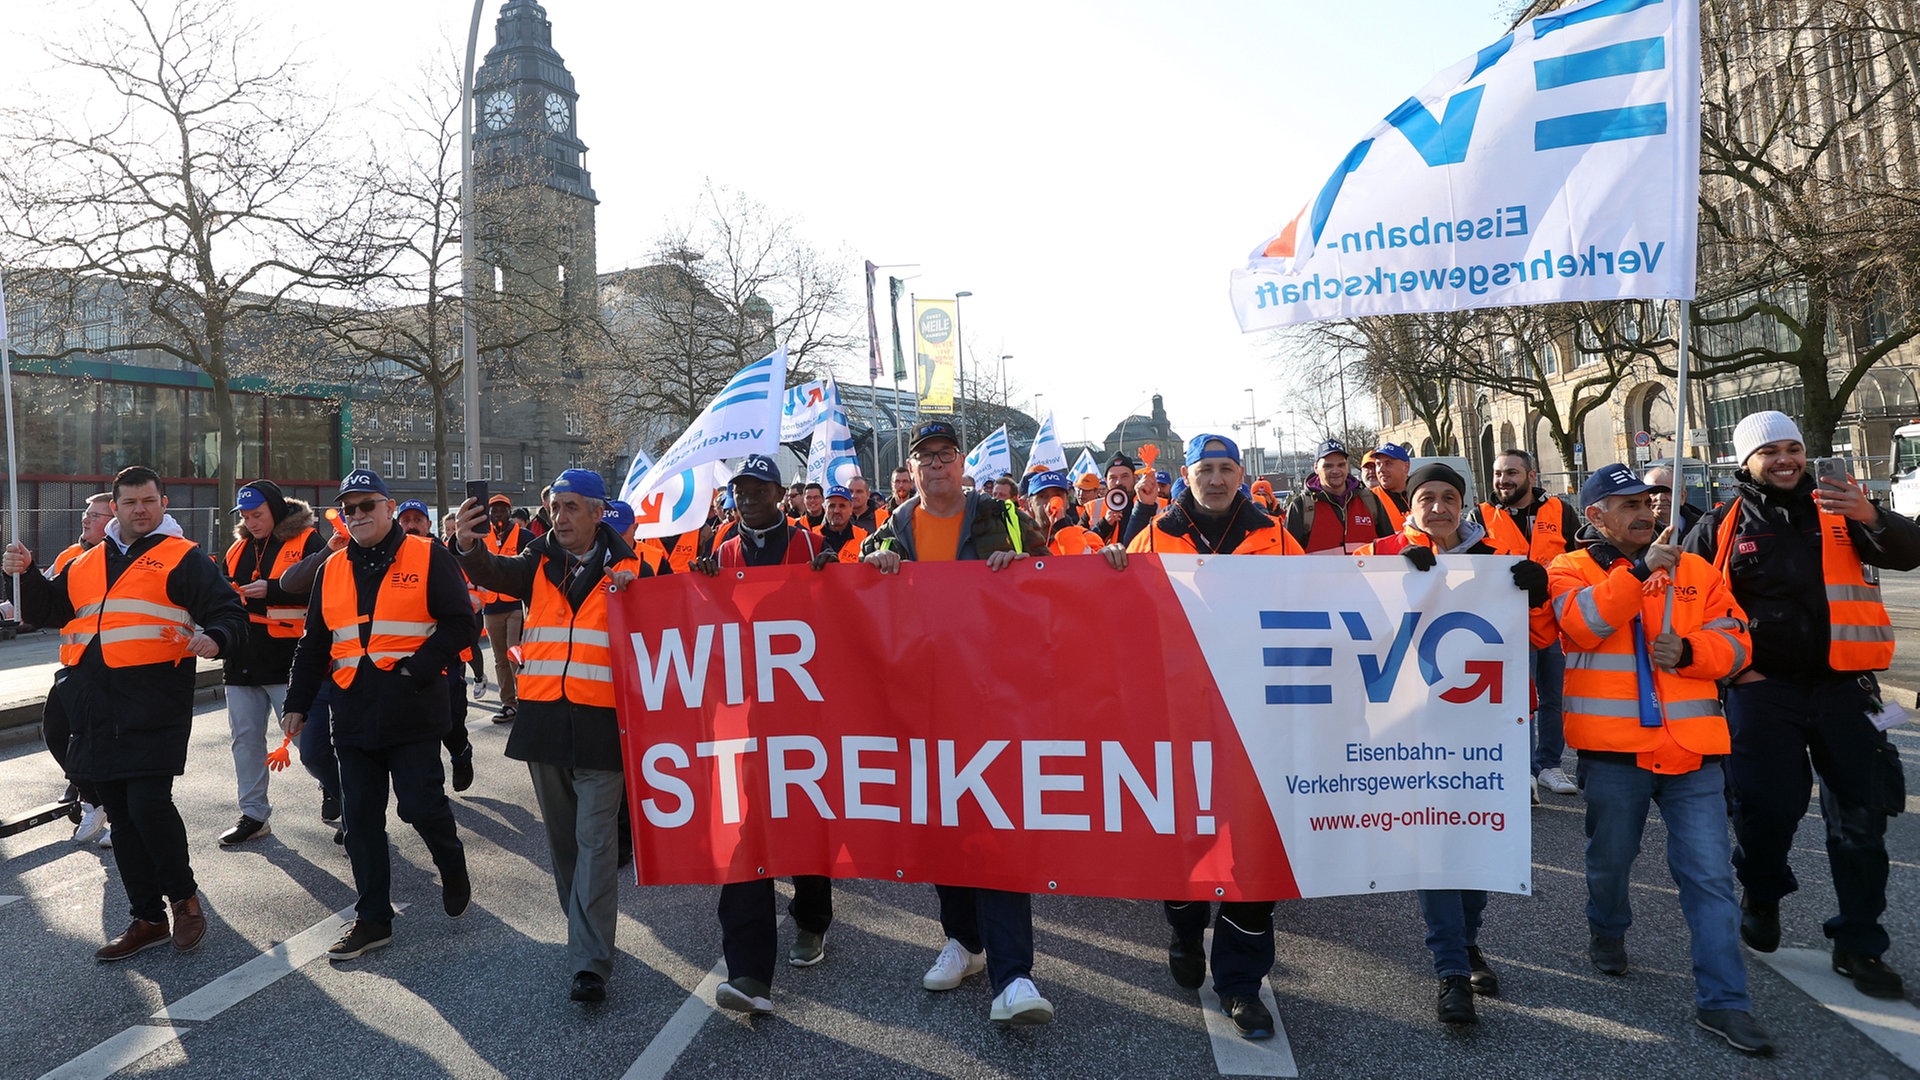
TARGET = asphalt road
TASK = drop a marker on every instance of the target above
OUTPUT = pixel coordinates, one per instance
(485, 996)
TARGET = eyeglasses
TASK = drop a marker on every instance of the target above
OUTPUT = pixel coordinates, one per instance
(355, 509)
(928, 457)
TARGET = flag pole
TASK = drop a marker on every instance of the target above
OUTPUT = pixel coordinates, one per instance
(1679, 496)
(13, 459)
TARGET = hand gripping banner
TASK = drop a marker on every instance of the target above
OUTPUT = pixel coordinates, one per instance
(1257, 728)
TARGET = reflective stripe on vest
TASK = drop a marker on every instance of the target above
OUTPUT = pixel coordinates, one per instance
(1601, 695)
(1549, 539)
(282, 620)
(1859, 632)
(135, 621)
(568, 653)
(400, 622)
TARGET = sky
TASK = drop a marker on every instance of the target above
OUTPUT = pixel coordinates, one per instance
(1089, 171)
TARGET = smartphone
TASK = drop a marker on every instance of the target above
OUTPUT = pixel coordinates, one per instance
(1829, 469)
(477, 491)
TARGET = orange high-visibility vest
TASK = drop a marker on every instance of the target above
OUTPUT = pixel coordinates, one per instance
(1593, 611)
(685, 550)
(1549, 540)
(1272, 540)
(282, 620)
(1859, 633)
(1396, 517)
(400, 622)
(849, 551)
(568, 653)
(504, 549)
(136, 621)
(61, 560)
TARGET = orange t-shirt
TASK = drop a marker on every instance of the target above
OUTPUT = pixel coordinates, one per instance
(936, 539)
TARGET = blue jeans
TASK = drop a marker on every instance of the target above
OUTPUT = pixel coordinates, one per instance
(1453, 923)
(1784, 733)
(1699, 855)
(1548, 667)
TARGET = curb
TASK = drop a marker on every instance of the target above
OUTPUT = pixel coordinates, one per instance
(26, 714)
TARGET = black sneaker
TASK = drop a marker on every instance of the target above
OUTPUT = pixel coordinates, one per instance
(1483, 980)
(1249, 1015)
(745, 995)
(1738, 1029)
(1609, 954)
(456, 892)
(1871, 976)
(362, 936)
(1187, 963)
(1759, 925)
(244, 830)
(506, 714)
(340, 835)
(1455, 1005)
(463, 769)
(329, 806)
(588, 987)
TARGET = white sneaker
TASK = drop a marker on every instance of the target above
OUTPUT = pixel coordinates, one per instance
(1557, 781)
(479, 689)
(106, 839)
(93, 822)
(954, 965)
(1021, 1003)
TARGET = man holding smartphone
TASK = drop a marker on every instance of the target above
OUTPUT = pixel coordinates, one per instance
(503, 614)
(1795, 550)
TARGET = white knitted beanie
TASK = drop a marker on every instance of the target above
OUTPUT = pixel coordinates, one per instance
(1761, 428)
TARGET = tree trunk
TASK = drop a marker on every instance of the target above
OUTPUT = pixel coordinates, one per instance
(438, 386)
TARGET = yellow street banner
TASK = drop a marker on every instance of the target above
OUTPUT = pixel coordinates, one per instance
(936, 350)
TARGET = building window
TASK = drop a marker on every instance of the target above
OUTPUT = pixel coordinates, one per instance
(496, 467)
(573, 460)
(399, 466)
(386, 461)
(526, 468)
(453, 465)
(364, 460)
(574, 426)
(426, 465)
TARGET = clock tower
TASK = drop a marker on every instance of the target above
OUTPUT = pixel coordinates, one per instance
(534, 233)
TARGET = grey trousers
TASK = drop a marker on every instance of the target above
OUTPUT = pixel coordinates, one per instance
(248, 710)
(581, 810)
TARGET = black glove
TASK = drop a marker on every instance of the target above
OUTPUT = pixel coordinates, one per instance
(1532, 577)
(1419, 555)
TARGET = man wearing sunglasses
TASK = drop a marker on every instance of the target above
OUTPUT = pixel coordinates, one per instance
(987, 930)
(389, 615)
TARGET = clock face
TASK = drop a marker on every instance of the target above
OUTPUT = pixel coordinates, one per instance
(498, 110)
(558, 114)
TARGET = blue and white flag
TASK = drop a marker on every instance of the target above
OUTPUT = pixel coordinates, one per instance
(1560, 163)
(800, 410)
(1046, 451)
(992, 459)
(831, 459)
(1084, 465)
(744, 418)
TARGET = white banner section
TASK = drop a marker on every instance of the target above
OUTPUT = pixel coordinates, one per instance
(1384, 711)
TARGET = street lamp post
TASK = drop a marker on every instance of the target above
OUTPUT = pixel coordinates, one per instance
(469, 332)
(1253, 426)
(960, 336)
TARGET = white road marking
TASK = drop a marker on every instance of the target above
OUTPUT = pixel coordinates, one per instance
(1894, 1024)
(677, 1033)
(175, 1019)
(1235, 1056)
(5, 900)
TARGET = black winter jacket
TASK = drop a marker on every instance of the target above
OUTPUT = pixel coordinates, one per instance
(266, 659)
(1776, 571)
(386, 708)
(135, 721)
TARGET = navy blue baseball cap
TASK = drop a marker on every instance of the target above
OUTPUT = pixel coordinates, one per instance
(758, 467)
(1331, 446)
(1198, 451)
(413, 504)
(619, 516)
(363, 480)
(839, 491)
(582, 482)
(934, 429)
(1615, 479)
(1397, 453)
(1050, 478)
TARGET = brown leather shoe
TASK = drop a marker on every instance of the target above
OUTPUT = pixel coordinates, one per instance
(189, 924)
(139, 936)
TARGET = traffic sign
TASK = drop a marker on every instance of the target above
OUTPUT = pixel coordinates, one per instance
(1642, 438)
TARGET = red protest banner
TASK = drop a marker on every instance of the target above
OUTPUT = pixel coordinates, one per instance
(948, 724)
